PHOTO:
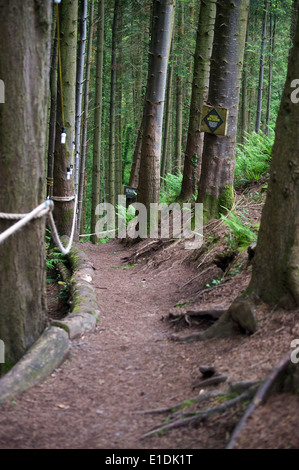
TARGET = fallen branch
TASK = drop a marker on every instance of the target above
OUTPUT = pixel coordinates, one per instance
(191, 401)
(259, 398)
(197, 276)
(211, 381)
(234, 387)
(199, 416)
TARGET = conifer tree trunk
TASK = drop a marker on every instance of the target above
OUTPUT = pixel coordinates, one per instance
(111, 194)
(275, 276)
(271, 62)
(83, 172)
(244, 103)
(53, 110)
(149, 178)
(262, 67)
(25, 40)
(64, 153)
(119, 95)
(201, 73)
(79, 95)
(179, 97)
(218, 160)
(168, 107)
(97, 136)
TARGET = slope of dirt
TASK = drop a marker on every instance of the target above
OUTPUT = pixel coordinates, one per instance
(129, 364)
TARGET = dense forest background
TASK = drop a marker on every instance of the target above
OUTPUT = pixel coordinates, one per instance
(266, 52)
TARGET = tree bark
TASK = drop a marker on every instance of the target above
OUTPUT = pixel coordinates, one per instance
(78, 123)
(97, 136)
(200, 86)
(262, 67)
(218, 160)
(273, 23)
(166, 155)
(149, 178)
(53, 110)
(25, 40)
(179, 96)
(244, 114)
(112, 120)
(276, 262)
(83, 172)
(64, 154)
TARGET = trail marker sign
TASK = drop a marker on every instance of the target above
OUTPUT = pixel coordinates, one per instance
(214, 120)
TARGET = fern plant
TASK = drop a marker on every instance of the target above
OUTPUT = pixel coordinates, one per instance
(171, 188)
(241, 235)
(253, 158)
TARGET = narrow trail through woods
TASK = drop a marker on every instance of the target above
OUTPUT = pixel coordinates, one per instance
(127, 364)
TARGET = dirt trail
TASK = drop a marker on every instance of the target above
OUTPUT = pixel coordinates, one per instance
(128, 364)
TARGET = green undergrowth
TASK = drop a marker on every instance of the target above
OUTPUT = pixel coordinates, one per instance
(241, 233)
(253, 158)
(53, 259)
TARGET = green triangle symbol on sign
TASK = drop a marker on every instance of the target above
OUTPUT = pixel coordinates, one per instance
(213, 120)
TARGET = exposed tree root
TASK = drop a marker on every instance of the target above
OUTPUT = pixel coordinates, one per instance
(239, 316)
(184, 419)
(260, 397)
(214, 313)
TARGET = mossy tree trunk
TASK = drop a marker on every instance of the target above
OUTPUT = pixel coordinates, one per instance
(218, 159)
(64, 154)
(25, 40)
(149, 177)
(275, 276)
(200, 85)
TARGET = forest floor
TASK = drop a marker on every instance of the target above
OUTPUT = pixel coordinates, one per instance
(129, 364)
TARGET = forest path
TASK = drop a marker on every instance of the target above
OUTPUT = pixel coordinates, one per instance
(127, 364)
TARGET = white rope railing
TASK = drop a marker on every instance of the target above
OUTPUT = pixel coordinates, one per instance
(40, 210)
(45, 208)
(55, 235)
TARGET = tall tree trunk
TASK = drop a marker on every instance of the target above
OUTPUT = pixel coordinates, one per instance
(85, 117)
(138, 100)
(79, 95)
(271, 62)
(168, 108)
(53, 110)
(179, 95)
(244, 103)
(119, 95)
(111, 196)
(218, 160)
(25, 39)
(97, 136)
(200, 86)
(294, 19)
(276, 263)
(66, 110)
(135, 168)
(149, 179)
(262, 67)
